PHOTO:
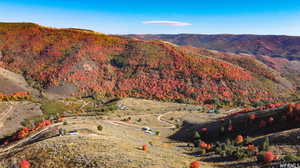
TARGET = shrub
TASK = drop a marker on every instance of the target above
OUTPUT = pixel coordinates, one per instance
(239, 139)
(260, 157)
(290, 108)
(240, 153)
(179, 100)
(265, 145)
(297, 108)
(195, 164)
(24, 164)
(203, 145)
(100, 128)
(268, 157)
(145, 148)
(209, 147)
(257, 104)
(62, 132)
(218, 148)
(196, 139)
(202, 151)
(251, 148)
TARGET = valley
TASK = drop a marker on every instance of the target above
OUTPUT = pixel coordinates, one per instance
(123, 133)
(77, 98)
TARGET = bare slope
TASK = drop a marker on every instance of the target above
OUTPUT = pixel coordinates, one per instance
(11, 82)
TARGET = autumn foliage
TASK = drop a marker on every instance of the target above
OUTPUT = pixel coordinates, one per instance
(145, 148)
(195, 164)
(123, 67)
(251, 148)
(24, 132)
(14, 96)
(269, 157)
(24, 164)
(239, 139)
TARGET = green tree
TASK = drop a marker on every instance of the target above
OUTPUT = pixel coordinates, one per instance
(196, 139)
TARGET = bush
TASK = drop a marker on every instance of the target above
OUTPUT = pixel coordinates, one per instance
(100, 128)
(196, 139)
(269, 157)
(195, 164)
(260, 157)
(265, 145)
(202, 151)
(179, 100)
(240, 153)
(230, 150)
(24, 164)
(239, 139)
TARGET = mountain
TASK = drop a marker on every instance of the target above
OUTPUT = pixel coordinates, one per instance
(281, 53)
(75, 62)
(271, 45)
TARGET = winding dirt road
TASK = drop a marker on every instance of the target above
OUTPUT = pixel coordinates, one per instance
(122, 123)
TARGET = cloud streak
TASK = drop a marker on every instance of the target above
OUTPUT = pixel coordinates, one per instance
(166, 22)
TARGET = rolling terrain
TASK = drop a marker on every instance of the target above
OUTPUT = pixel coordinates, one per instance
(77, 98)
(72, 62)
(281, 53)
(271, 45)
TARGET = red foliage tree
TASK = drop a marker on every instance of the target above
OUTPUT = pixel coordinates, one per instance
(268, 157)
(24, 164)
(195, 164)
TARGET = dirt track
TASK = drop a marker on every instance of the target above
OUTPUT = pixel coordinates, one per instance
(5, 115)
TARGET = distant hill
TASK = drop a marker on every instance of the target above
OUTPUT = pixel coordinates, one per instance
(271, 45)
(74, 62)
(281, 53)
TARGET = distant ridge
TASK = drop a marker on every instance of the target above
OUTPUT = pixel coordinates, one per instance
(271, 45)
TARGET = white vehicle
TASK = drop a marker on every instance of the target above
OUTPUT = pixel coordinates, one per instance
(73, 133)
(150, 132)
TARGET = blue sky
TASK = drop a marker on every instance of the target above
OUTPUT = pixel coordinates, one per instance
(160, 16)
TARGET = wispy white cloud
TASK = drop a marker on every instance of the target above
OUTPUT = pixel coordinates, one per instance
(166, 22)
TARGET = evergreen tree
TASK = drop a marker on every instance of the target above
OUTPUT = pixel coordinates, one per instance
(197, 139)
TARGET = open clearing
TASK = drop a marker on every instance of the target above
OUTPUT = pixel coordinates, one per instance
(120, 142)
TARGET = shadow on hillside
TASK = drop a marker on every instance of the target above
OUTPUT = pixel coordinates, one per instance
(218, 159)
(39, 139)
(285, 138)
(241, 165)
(187, 131)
